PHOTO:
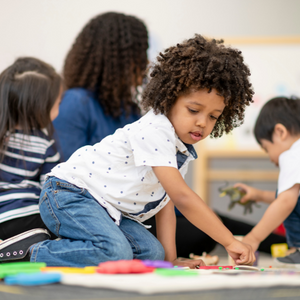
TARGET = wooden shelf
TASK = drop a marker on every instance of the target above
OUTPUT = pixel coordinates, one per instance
(242, 175)
(235, 153)
(203, 174)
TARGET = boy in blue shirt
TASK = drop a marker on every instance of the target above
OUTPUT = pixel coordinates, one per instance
(277, 130)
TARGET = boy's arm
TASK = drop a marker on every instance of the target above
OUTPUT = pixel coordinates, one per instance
(255, 194)
(166, 233)
(276, 213)
(165, 230)
(199, 214)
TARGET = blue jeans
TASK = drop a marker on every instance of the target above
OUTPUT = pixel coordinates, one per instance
(292, 227)
(88, 234)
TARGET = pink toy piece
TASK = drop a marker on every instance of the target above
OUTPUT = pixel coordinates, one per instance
(157, 263)
(215, 267)
(123, 267)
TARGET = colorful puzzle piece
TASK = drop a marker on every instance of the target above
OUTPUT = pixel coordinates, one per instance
(33, 279)
(123, 267)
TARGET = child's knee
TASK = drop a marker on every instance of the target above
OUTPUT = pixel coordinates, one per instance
(157, 252)
(119, 251)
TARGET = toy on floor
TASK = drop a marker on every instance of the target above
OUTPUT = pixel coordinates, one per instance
(279, 250)
(236, 195)
(9, 269)
(33, 279)
(207, 259)
(124, 267)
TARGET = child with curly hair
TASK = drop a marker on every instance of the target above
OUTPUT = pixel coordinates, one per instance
(102, 71)
(98, 200)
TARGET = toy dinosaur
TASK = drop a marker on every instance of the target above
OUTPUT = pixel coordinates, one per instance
(236, 194)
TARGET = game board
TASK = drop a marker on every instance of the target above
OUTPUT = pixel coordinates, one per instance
(149, 277)
(152, 283)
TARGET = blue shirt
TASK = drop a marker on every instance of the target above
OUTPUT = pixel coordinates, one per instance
(28, 158)
(82, 121)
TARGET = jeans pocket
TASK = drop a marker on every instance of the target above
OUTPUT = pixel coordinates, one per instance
(48, 215)
(64, 186)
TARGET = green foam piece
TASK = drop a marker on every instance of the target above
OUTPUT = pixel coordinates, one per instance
(6, 273)
(22, 265)
(177, 272)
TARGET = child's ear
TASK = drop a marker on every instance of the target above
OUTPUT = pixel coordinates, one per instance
(280, 131)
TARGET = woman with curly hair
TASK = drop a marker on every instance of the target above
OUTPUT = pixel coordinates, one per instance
(102, 71)
(97, 200)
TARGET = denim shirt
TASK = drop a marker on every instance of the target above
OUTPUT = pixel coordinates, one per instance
(82, 121)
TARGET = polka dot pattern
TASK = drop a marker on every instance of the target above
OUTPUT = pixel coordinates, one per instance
(119, 168)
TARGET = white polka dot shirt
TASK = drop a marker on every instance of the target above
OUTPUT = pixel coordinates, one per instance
(118, 171)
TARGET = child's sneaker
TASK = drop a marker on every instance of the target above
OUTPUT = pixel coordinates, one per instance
(291, 261)
(17, 247)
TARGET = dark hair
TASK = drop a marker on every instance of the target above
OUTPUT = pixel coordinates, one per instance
(201, 63)
(28, 91)
(109, 57)
(279, 110)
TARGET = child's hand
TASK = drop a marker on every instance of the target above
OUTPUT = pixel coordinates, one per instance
(185, 262)
(252, 241)
(251, 192)
(241, 253)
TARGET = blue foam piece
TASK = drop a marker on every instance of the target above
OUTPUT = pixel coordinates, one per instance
(33, 279)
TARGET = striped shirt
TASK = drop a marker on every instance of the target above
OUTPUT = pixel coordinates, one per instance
(27, 159)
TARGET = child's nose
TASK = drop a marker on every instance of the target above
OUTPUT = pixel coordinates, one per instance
(201, 121)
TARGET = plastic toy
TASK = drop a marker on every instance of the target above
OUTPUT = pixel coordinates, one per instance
(176, 272)
(9, 269)
(33, 279)
(68, 270)
(279, 250)
(215, 267)
(236, 195)
(123, 267)
(157, 263)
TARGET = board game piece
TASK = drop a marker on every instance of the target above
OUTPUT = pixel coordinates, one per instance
(123, 267)
(13, 272)
(20, 265)
(157, 263)
(215, 267)
(9, 269)
(279, 250)
(86, 270)
(176, 272)
(33, 279)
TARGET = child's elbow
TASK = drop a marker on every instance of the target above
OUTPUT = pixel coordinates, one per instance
(182, 201)
(289, 204)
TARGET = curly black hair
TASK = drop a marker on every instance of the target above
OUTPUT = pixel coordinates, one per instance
(109, 57)
(201, 63)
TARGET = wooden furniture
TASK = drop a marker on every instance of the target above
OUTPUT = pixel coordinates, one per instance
(204, 173)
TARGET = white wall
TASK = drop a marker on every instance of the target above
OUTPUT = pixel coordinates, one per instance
(47, 28)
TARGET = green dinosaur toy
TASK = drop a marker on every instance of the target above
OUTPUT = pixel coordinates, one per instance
(236, 194)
